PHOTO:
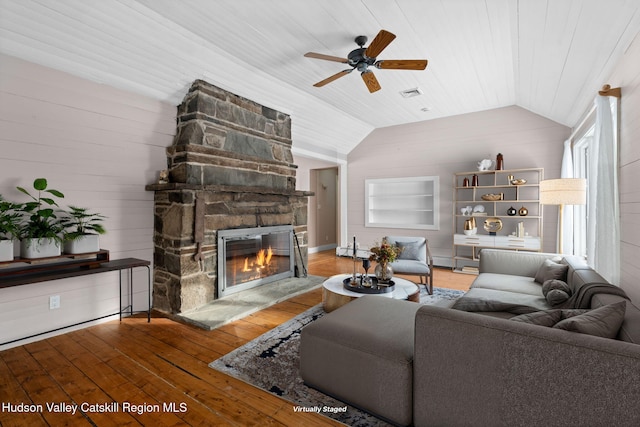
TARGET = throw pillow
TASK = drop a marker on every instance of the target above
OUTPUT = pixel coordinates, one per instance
(547, 317)
(551, 270)
(557, 297)
(409, 250)
(602, 322)
(556, 291)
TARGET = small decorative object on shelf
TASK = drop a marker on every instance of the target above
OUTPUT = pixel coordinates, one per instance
(465, 182)
(383, 255)
(512, 211)
(163, 176)
(518, 181)
(499, 162)
(492, 225)
(492, 197)
(485, 165)
(523, 211)
(470, 227)
(474, 180)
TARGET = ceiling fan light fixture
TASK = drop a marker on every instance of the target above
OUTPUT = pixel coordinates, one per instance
(410, 93)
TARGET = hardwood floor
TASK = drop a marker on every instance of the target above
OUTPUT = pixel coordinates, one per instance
(161, 367)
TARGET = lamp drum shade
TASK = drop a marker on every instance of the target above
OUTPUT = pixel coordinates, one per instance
(563, 191)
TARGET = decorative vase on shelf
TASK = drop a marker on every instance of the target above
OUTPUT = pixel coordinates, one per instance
(383, 272)
(512, 211)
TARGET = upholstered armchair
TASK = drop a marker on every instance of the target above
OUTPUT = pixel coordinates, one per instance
(415, 259)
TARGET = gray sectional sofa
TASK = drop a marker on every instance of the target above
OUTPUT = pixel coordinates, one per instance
(425, 365)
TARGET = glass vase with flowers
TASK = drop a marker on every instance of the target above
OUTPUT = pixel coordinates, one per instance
(383, 255)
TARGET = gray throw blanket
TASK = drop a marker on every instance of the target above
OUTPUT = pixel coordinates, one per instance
(582, 294)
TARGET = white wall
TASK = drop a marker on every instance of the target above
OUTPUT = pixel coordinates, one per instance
(627, 76)
(98, 145)
(444, 146)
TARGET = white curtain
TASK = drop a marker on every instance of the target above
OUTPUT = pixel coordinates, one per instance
(567, 216)
(603, 230)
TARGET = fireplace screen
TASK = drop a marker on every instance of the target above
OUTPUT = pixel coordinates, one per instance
(253, 256)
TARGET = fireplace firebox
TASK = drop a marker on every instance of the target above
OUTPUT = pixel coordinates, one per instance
(251, 257)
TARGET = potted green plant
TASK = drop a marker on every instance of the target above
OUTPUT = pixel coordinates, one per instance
(82, 230)
(9, 225)
(41, 232)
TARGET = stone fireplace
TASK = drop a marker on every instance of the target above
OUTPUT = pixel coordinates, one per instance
(230, 169)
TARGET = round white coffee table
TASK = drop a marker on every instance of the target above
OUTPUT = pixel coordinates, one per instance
(334, 294)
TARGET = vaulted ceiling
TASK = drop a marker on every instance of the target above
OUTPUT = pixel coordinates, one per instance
(549, 57)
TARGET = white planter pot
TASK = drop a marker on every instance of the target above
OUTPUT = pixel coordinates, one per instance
(6, 250)
(83, 244)
(39, 248)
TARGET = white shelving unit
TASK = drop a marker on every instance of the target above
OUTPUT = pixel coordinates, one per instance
(403, 203)
(513, 197)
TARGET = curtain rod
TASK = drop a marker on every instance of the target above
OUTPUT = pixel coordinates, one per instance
(606, 91)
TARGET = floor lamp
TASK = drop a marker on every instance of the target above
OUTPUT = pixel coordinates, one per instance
(563, 191)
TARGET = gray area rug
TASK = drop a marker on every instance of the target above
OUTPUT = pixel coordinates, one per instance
(239, 305)
(271, 362)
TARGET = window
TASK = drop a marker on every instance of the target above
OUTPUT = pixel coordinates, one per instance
(581, 170)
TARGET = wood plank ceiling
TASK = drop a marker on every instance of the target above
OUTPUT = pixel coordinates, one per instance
(549, 57)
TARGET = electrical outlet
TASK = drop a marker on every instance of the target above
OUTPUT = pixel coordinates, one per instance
(54, 302)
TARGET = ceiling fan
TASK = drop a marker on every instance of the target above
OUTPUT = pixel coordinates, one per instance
(364, 57)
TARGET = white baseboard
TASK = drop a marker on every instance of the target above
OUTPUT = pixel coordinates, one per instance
(322, 248)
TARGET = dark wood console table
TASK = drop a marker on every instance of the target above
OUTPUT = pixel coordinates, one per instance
(28, 275)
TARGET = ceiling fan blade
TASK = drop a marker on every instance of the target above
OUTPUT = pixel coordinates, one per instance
(325, 57)
(378, 44)
(336, 76)
(371, 81)
(402, 64)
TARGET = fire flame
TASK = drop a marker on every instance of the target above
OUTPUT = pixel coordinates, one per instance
(262, 259)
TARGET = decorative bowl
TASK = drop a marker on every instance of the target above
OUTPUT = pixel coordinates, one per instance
(518, 181)
(491, 197)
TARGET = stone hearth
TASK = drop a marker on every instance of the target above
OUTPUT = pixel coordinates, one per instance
(230, 166)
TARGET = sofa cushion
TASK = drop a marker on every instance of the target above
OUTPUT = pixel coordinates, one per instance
(408, 266)
(602, 322)
(551, 270)
(487, 300)
(509, 283)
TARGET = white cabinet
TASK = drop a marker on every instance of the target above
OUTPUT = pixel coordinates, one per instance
(516, 207)
(403, 202)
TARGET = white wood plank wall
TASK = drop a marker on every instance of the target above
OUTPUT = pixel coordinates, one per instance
(627, 76)
(98, 145)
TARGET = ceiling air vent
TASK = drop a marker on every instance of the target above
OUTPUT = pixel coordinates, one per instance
(409, 93)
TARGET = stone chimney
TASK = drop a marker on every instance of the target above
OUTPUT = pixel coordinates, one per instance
(230, 166)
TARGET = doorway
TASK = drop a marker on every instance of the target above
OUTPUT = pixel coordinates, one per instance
(323, 212)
